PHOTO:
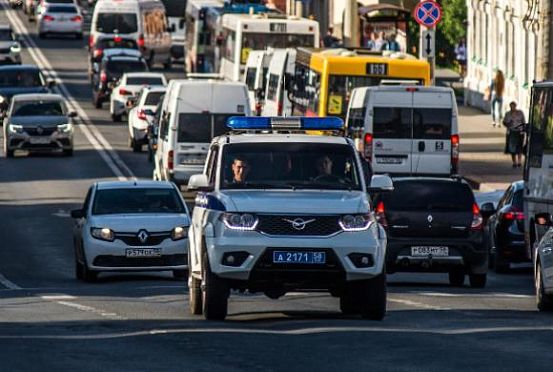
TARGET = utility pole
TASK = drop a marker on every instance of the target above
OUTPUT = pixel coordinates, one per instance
(351, 24)
(545, 36)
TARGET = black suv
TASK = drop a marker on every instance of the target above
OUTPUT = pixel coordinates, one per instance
(434, 225)
(114, 64)
(105, 42)
(20, 79)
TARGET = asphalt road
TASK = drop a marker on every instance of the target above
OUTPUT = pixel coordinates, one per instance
(50, 321)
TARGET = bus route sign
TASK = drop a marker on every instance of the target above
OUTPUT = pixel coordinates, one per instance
(427, 13)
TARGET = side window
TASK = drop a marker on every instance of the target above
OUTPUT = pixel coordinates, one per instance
(356, 120)
(505, 198)
(211, 169)
(272, 87)
(541, 103)
(164, 125)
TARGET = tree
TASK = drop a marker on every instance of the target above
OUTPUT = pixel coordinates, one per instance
(453, 25)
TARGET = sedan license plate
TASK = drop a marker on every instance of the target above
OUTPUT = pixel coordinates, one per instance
(380, 160)
(143, 252)
(294, 257)
(436, 251)
(39, 140)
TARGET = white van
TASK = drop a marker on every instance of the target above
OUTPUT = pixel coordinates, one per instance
(143, 20)
(255, 77)
(192, 113)
(406, 129)
(281, 69)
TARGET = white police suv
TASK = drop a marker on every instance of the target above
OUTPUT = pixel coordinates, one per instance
(280, 210)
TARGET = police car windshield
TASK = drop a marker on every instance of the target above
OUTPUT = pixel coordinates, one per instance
(289, 166)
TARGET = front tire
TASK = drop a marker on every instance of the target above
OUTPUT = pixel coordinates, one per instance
(116, 118)
(215, 293)
(180, 274)
(8, 153)
(456, 278)
(136, 146)
(372, 298)
(195, 295)
(68, 152)
(544, 301)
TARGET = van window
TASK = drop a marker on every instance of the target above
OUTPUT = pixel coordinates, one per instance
(117, 23)
(122, 66)
(61, 9)
(272, 87)
(356, 118)
(153, 98)
(251, 72)
(392, 122)
(259, 41)
(202, 127)
(143, 80)
(432, 123)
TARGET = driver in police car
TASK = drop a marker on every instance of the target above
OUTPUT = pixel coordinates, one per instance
(240, 169)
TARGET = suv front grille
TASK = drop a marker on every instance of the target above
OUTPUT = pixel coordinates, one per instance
(132, 239)
(46, 131)
(292, 225)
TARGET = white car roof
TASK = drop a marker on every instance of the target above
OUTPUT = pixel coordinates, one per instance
(144, 74)
(145, 184)
(280, 138)
(38, 97)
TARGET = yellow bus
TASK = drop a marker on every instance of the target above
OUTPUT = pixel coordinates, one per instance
(324, 78)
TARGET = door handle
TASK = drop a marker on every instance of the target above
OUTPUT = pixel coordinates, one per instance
(422, 146)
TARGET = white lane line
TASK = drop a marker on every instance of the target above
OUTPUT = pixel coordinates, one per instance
(416, 304)
(68, 301)
(475, 295)
(91, 132)
(8, 283)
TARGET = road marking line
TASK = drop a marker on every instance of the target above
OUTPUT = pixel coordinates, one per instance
(477, 295)
(58, 297)
(66, 300)
(8, 283)
(91, 132)
(419, 305)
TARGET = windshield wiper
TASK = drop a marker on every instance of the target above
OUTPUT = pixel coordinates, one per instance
(251, 185)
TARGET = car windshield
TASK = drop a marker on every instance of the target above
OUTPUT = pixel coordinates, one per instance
(153, 98)
(137, 200)
(5, 35)
(201, 128)
(143, 80)
(120, 67)
(62, 9)
(20, 78)
(38, 108)
(117, 23)
(290, 166)
(116, 43)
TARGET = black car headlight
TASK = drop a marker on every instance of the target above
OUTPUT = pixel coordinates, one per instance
(102, 233)
(355, 222)
(179, 232)
(15, 129)
(240, 221)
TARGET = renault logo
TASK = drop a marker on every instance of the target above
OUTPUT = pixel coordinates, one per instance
(430, 218)
(299, 223)
(143, 236)
(39, 129)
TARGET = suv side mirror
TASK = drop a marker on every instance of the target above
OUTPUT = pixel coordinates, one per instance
(77, 213)
(72, 114)
(544, 219)
(51, 84)
(487, 209)
(198, 182)
(381, 183)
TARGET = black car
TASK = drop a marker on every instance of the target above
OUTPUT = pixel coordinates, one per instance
(434, 225)
(21, 79)
(105, 42)
(153, 131)
(505, 229)
(114, 64)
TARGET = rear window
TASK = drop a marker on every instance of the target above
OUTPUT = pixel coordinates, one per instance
(61, 9)
(137, 200)
(144, 81)
(119, 67)
(421, 195)
(432, 123)
(250, 78)
(202, 127)
(392, 122)
(152, 99)
(116, 23)
(406, 122)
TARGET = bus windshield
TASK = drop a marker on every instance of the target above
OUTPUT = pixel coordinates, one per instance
(260, 41)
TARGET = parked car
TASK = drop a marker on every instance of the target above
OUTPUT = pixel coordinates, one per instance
(129, 86)
(20, 79)
(60, 19)
(107, 73)
(142, 114)
(434, 225)
(96, 52)
(505, 229)
(38, 122)
(131, 226)
(10, 48)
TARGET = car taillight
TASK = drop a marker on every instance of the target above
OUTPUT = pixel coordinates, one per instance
(98, 53)
(454, 153)
(117, 39)
(476, 218)
(140, 41)
(170, 163)
(368, 146)
(124, 92)
(279, 108)
(48, 18)
(141, 115)
(258, 108)
(380, 215)
(77, 18)
(512, 214)
(103, 77)
(91, 41)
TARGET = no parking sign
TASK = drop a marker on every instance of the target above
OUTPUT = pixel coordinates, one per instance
(427, 13)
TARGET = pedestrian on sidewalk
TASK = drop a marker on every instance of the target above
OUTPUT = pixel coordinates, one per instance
(461, 57)
(496, 88)
(331, 41)
(516, 127)
(392, 44)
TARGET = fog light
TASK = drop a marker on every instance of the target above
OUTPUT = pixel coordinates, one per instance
(230, 260)
(234, 259)
(361, 260)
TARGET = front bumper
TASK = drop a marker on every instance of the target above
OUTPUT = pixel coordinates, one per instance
(55, 141)
(10, 58)
(118, 107)
(111, 256)
(61, 27)
(258, 265)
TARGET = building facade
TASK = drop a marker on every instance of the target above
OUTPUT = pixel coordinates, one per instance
(502, 34)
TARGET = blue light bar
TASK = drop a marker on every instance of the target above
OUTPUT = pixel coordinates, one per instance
(284, 123)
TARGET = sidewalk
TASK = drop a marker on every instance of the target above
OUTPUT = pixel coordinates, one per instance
(482, 161)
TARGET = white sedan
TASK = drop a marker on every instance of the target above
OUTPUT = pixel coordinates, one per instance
(141, 114)
(129, 86)
(55, 18)
(131, 226)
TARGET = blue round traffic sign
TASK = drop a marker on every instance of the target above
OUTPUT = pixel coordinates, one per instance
(427, 13)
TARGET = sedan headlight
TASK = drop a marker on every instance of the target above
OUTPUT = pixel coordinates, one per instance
(15, 48)
(355, 222)
(102, 233)
(240, 221)
(179, 232)
(65, 128)
(12, 128)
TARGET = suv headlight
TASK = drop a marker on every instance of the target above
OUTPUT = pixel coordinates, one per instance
(240, 221)
(179, 232)
(65, 128)
(15, 48)
(355, 222)
(102, 233)
(15, 128)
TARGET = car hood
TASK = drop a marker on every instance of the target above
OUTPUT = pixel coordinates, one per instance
(8, 92)
(49, 121)
(294, 201)
(135, 222)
